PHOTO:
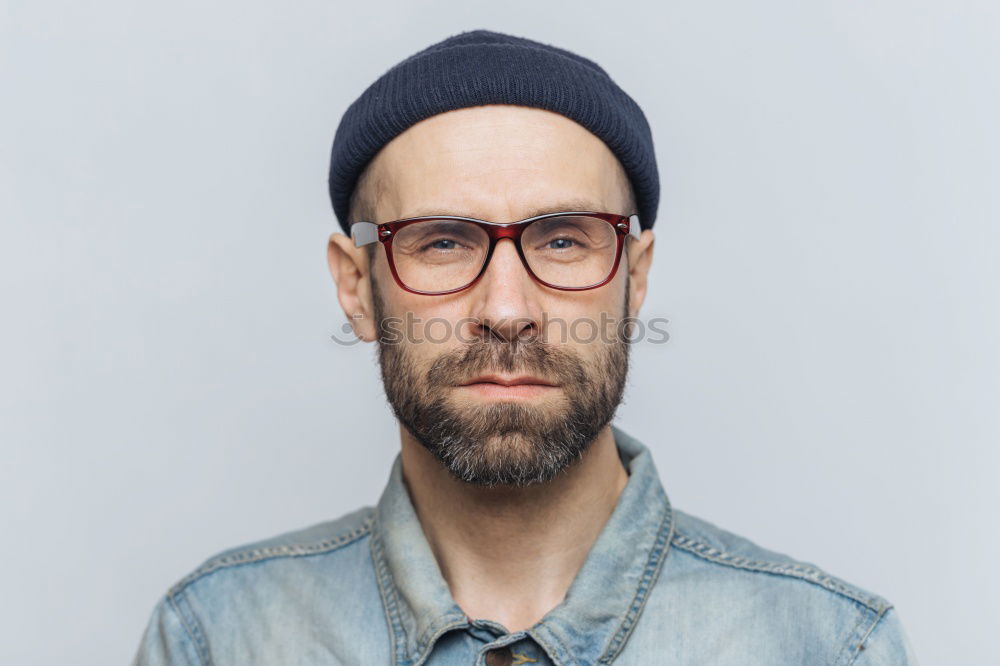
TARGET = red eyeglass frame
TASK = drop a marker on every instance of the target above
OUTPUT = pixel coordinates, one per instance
(365, 233)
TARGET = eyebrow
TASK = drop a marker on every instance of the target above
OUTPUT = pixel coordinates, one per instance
(580, 205)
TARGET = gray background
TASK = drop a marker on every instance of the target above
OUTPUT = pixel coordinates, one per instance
(826, 256)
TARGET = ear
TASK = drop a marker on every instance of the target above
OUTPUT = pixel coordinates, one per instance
(640, 257)
(349, 268)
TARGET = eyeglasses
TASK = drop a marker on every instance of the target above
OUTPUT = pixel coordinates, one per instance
(443, 254)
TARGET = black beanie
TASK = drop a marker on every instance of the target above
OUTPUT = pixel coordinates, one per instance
(484, 67)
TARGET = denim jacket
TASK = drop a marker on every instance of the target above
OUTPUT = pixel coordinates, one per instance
(658, 586)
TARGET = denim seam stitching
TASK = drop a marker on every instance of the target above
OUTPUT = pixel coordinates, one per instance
(803, 572)
(649, 577)
(448, 626)
(272, 552)
(844, 656)
(191, 626)
(389, 601)
(855, 646)
(565, 657)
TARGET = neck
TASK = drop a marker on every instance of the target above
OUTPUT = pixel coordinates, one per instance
(510, 554)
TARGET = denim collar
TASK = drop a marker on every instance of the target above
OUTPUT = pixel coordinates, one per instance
(589, 626)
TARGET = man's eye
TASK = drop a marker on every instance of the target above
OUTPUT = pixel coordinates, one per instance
(443, 244)
(560, 243)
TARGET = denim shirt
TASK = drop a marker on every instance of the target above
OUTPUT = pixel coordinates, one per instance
(658, 586)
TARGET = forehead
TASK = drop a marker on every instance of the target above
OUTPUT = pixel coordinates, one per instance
(497, 162)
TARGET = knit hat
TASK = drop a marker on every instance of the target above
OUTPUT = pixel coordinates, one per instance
(484, 67)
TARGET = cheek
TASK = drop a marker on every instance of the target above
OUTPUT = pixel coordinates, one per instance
(427, 331)
(435, 335)
(584, 319)
(582, 336)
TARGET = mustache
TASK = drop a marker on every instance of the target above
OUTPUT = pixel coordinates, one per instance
(557, 364)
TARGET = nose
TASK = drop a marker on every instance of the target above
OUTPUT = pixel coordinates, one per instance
(505, 303)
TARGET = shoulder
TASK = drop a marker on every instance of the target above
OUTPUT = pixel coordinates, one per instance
(764, 598)
(229, 606)
(320, 540)
(719, 547)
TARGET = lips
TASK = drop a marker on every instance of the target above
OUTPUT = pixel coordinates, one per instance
(509, 381)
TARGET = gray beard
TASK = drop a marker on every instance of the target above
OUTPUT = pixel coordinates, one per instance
(503, 443)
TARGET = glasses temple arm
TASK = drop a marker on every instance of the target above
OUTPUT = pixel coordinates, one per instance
(364, 233)
(634, 229)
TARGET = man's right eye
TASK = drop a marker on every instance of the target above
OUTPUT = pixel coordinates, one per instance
(443, 244)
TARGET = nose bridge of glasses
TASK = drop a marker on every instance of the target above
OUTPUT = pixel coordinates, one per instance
(501, 231)
(509, 252)
(498, 232)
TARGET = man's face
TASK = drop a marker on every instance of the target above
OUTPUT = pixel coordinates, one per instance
(449, 357)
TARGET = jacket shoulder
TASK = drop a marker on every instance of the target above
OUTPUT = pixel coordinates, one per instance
(317, 539)
(714, 544)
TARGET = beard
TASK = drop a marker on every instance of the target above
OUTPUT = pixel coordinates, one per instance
(498, 443)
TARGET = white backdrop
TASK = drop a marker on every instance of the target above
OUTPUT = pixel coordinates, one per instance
(827, 257)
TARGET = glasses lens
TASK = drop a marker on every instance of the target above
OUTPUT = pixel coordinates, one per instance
(570, 250)
(439, 255)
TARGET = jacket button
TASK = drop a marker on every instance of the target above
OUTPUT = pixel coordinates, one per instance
(500, 657)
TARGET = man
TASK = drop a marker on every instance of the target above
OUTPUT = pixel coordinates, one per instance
(494, 192)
